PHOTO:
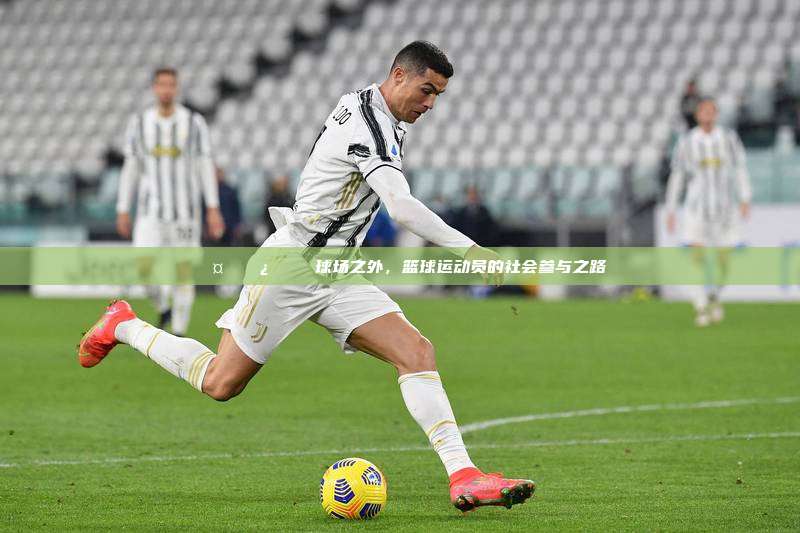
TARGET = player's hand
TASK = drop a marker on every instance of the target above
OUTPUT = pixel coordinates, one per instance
(216, 226)
(479, 252)
(744, 209)
(670, 222)
(124, 225)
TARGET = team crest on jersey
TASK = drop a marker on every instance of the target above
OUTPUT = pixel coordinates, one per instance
(160, 150)
(711, 162)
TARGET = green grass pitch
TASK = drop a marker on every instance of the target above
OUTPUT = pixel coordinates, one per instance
(127, 446)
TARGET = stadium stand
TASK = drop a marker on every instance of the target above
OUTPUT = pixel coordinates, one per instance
(551, 117)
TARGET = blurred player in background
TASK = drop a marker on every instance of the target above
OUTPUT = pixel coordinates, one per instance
(710, 161)
(168, 167)
(354, 165)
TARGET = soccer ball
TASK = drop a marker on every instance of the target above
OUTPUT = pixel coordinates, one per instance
(352, 488)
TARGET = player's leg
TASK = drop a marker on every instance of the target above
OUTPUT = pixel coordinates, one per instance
(393, 339)
(221, 375)
(148, 233)
(229, 372)
(183, 295)
(700, 297)
(184, 235)
(159, 295)
(716, 312)
(697, 233)
(364, 318)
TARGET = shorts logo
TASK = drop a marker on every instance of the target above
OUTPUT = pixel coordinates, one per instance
(261, 330)
(254, 293)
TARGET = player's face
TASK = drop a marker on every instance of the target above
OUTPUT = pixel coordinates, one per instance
(706, 113)
(417, 93)
(165, 88)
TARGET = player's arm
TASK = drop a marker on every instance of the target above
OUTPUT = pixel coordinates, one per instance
(743, 186)
(392, 188)
(128, 179)
(380, 163)
(675, 183)
(208, 180)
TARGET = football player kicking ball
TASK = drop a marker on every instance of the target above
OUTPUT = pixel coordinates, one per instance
(354, 165)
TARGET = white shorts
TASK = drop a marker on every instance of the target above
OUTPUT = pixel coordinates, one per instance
(722, 233)
(264, 315)
(150, 232)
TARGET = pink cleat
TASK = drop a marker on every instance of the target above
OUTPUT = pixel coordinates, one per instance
(99, 340)
(471, 488)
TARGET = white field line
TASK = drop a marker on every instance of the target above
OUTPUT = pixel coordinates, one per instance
(397, 449)
(717, 404)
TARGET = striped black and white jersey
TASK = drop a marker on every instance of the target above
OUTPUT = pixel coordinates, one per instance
(170, 160)
(712, 167)
(334, 204)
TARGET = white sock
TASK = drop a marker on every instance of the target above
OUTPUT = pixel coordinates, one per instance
(184, 358)
(427, 402)
(159, 295)
(700, 299)
(182, 300)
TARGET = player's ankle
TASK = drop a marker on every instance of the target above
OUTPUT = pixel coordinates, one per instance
(465, 473)
(122, 332)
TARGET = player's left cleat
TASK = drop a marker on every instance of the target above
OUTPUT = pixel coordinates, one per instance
(99, 340)
(471, 488)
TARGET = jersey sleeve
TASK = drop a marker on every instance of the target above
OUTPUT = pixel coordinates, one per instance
(203, 139)
(129, 175)
(205, 164)
(678, 171)
(132, 142)
(743, 187)
(373, 143)
(394, 191)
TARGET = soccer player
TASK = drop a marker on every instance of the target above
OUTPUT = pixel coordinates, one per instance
(354, 165)
(710, 160)
(168, 155)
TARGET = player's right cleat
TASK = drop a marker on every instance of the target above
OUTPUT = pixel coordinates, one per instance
(100, 339)
(471, 488)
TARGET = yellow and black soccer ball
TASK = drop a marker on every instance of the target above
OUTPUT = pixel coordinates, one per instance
(353, 489)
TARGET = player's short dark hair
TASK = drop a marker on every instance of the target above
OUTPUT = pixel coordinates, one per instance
(165, 70)
(421, 55)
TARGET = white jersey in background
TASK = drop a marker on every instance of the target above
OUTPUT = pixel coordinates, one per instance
(170, 160)
(713, 169)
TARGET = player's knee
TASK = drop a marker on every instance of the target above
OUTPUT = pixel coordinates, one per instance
(222, 389)
(423, 356)
(223, 393)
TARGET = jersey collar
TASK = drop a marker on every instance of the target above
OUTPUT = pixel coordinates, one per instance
(701, 133)
(173, 117)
